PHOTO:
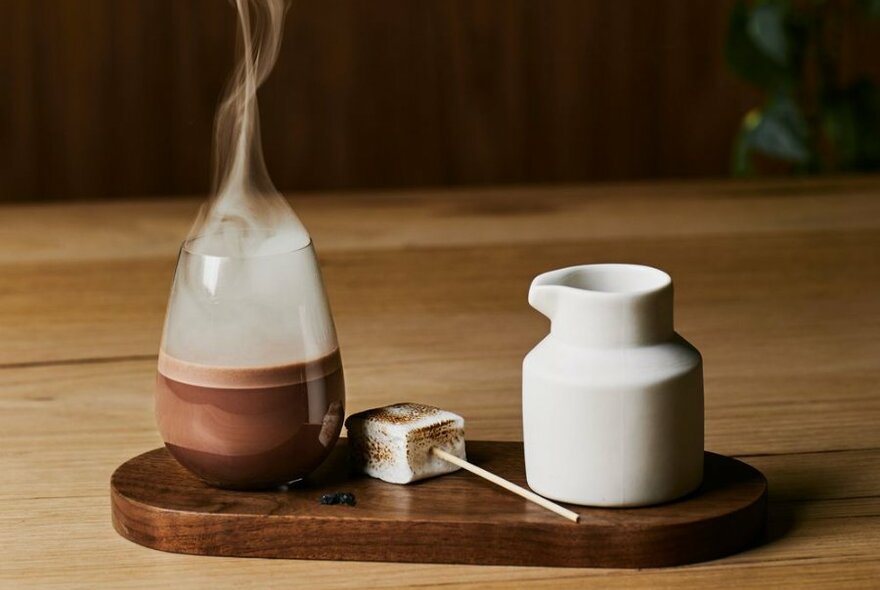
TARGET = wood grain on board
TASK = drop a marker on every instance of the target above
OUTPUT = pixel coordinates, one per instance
(457, 518)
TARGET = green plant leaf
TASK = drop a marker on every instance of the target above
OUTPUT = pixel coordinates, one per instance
(840, 128)
(851, 123)
(766, 29)
(741, 158)
(748, 60)
(781, 131)
(871, 7)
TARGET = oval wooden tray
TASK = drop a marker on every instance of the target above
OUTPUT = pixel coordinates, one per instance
(457, 518)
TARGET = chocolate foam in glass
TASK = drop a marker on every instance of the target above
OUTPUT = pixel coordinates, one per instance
(250, 391)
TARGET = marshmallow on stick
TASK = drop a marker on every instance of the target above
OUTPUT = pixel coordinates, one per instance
(394, 443)
(407, 442)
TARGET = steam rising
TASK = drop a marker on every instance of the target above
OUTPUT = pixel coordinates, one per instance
(246, 215)
(248, 289)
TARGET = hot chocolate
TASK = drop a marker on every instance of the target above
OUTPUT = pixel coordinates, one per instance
(254, 427)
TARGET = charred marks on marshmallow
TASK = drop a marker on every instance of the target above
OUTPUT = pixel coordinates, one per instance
(393, 443)
(402, 413)
(369, 451)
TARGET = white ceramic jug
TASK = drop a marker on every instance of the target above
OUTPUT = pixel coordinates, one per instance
(612, 397)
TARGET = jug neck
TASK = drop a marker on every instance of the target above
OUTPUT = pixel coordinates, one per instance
(606, 305)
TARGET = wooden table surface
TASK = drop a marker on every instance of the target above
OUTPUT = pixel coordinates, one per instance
(777, 283)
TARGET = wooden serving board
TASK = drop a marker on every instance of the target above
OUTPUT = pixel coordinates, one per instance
(456, 518)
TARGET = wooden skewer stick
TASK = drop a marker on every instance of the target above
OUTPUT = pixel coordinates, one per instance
(511, 487)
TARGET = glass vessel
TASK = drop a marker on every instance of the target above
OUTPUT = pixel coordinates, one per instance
(250, 392)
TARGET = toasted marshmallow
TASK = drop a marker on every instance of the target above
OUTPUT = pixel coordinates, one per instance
(394, 443)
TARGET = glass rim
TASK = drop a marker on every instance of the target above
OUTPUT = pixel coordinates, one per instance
(186, 246)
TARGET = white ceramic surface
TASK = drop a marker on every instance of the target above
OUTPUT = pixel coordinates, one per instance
(612, 397)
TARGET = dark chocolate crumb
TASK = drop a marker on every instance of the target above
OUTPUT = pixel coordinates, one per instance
(346, 498)
(329, 499)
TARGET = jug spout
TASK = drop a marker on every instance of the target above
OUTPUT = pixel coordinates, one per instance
(543, 297)
(606, 304)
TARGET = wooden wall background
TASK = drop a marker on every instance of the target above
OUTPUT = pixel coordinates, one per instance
(106, 98)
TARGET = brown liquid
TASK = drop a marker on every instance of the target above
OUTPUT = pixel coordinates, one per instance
(250, 428)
